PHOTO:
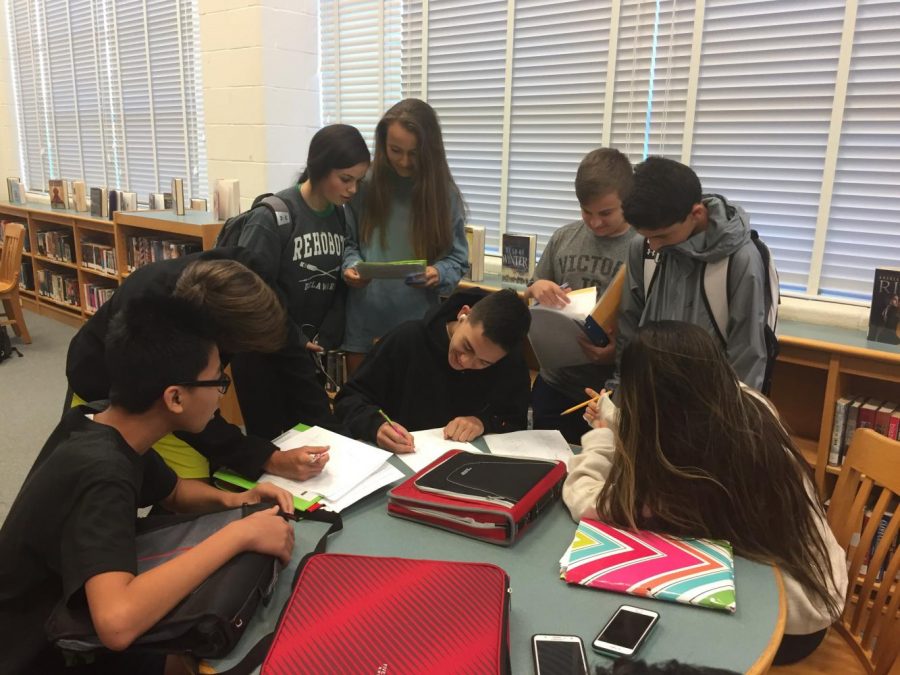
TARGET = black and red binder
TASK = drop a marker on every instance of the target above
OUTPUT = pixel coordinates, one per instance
(489, 497)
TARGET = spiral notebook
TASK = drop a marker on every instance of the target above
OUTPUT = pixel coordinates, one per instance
(696, 572)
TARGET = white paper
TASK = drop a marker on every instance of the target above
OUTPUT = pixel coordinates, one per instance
(431, 444)
(386, 475)
(581, 303)
(537, 444)
(350, 462)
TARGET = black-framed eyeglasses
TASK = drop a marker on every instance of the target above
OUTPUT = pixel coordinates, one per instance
(222, 383)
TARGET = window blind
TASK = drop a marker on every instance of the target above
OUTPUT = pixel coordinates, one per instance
(864, 222)
(109, 92)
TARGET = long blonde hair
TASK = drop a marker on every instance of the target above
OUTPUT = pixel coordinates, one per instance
(433, 186)
(699, 456)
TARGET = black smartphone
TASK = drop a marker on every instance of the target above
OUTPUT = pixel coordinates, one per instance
(625, 631)
(595, 332)
(558, 655)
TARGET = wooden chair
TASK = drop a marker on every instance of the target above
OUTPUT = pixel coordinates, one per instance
(10, 264)
(866, 638)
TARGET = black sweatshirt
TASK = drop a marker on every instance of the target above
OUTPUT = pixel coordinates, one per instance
(407, 374)
(222, 443)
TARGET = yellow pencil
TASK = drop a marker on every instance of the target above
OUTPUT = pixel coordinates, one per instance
(585, 404)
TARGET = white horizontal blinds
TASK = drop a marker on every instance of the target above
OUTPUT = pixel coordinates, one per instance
(108, 91)
(559, 76)
(653, 60)
(86, 79)
(864, 223)
(466, 78)
(26, 75)
(764, 101)
(360, 61)
(411, 49)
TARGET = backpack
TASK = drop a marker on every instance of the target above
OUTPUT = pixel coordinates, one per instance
(6, 348)
(717, 289)
(230, 233)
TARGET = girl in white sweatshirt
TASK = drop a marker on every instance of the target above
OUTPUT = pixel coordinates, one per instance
(692, 452)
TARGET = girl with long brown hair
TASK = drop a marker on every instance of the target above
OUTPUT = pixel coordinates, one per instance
(409, 208)
(692, 452)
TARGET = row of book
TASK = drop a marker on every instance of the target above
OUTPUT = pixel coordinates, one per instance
(59, 286)
(876, 540)
(145, 250)
(26, 275)
(56, 245)
(100, 257)
(857, 412)
(95, 295)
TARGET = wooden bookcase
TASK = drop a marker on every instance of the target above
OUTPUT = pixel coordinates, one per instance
(816, 366)
(195, 226)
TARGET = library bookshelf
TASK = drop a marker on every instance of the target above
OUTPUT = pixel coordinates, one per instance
(816, 366)
(78, 256)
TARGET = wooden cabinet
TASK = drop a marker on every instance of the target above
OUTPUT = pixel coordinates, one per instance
(816, 366)
(73, 260)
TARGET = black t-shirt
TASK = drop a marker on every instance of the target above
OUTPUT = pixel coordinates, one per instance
(74, 518)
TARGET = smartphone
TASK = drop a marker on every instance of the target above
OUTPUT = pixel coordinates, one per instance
(558, 655)
(625, 631)
(595, 332)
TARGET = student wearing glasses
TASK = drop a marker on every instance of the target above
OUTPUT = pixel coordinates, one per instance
(70, 534)
(249, 318)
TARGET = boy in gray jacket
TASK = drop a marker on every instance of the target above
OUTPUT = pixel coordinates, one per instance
(685, 230)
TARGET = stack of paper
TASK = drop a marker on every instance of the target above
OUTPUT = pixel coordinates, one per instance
(431, 444)
(537, 444)
(353, 471)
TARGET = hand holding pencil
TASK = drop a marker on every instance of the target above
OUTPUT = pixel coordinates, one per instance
(393, 437)
(591, 408)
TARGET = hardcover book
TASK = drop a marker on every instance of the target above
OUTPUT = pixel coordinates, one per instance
(16, 190)
(156, 201)
(837, 429)
(59, 197)
(80, 190)
(226, 198)
(198, 204)
(884, 319)
(129, 201)
(475, 239)
(178, 195)
(518, 251)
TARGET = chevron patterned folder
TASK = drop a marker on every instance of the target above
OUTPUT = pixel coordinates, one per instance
(691, 571)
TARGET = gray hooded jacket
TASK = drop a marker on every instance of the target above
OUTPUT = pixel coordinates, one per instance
(677, 292)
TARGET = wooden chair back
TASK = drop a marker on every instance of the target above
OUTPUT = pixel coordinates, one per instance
(870, 621)
(11, 256)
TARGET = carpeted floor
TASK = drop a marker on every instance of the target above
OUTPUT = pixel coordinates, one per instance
(32, 389)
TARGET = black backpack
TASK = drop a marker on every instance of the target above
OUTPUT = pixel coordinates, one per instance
(230, 234)
(6, 348)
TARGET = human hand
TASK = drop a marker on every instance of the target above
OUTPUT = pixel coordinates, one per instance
(596, 354)
(592, 412)
(314, 347)
(427, 279)
(394, 438)
(352, 278)
(549, 293)
(300, 463)
(268, 533)
(265, 492)
(463, 429)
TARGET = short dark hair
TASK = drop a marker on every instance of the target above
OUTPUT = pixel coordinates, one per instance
(337, 146)
(153, 343)
(602, 172)
(664, 193)
(504, 318)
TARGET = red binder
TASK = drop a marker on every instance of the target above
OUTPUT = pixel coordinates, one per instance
(367, 614)
(490, 517)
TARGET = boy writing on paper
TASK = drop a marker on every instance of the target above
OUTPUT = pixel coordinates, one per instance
(582, 254)
(70, 534)
(461, 368)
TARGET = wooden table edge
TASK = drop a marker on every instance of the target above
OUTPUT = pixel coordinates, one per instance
(764, 661)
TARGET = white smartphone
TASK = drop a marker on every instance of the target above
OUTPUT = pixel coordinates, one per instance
(625, 631)
(558, 655)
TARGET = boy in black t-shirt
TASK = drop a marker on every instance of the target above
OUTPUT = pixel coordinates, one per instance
(70, 534)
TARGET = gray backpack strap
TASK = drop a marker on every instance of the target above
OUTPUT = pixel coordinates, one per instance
(715, 294)
(284, 219)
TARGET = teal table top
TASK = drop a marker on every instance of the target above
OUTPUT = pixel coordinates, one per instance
(541, 601)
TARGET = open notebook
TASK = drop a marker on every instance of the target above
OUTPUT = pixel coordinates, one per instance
(677, 569)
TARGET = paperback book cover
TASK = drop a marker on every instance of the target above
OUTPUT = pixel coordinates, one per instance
(80, 190)
(156, 201)
(475, 240)
(178, 195)
(16, 190)
(59, 196)
(518, 252)
(885, 315)
(198, 204)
